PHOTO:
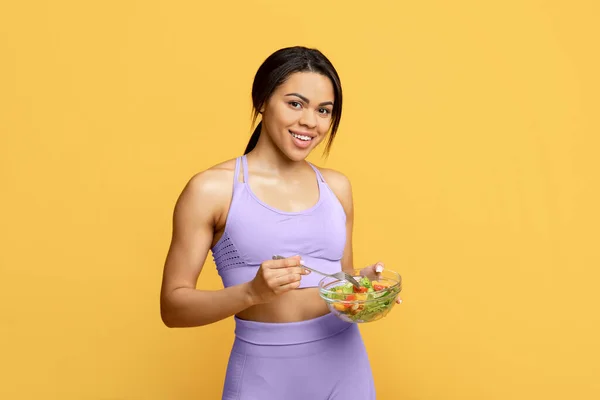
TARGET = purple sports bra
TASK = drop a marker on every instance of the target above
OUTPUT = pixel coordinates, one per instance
(255, 232)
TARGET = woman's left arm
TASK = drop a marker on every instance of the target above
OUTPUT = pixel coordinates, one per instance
(340, 185)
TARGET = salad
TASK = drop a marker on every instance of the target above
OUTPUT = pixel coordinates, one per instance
(371, 301)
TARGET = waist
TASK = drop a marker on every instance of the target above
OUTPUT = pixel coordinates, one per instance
(289, 333)
(293, 306)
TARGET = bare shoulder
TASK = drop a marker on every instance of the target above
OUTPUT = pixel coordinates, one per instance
(214, 181)
(340, 185)
(336, 178)
(208, 191)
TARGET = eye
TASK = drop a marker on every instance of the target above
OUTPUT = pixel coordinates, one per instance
(295, 104)
(324, 111)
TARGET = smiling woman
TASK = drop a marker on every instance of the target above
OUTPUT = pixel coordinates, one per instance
(312, 72)
(304, 138)
(294, 114)
(269, 201)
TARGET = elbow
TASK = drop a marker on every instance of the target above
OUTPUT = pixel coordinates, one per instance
(167, 321)
(171, 320)
(167, 317)
(173, 316)
(175, 312)
(167, 313)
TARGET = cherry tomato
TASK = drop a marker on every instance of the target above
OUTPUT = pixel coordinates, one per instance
(349, 297)
(378, 287)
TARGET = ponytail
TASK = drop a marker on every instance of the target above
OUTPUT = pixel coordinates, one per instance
(253, 138)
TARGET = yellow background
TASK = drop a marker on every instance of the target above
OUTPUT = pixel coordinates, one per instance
(470, 133)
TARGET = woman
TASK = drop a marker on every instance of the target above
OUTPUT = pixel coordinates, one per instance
(270, 201)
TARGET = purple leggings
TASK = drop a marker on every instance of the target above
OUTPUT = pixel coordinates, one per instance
(320, 359)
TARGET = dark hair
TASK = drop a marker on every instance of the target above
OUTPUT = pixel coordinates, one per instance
(277, 68)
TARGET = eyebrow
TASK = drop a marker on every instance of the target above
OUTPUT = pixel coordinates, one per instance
(325, 103)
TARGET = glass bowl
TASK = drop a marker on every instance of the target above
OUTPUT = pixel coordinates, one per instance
(373, 301)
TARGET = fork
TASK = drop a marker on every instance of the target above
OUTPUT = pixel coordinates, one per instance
(343, 276)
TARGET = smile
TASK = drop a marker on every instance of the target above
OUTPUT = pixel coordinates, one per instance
(301, 137)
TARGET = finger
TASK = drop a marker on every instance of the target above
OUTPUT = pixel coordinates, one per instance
(288, 286)
(297, 270)
(398, 300)
(372, 271)
(281, 272)
(378, 269)
(286, 262)
(287, 279)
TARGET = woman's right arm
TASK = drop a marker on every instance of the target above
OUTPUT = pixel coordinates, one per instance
(182, 305)
(194, 217)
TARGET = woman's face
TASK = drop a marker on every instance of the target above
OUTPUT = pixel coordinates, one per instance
(297, 116)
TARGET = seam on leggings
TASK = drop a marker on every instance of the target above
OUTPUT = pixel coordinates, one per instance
(239, 392)
(330, 393)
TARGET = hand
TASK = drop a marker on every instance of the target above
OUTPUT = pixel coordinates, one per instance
(275, 277)
(373, 272)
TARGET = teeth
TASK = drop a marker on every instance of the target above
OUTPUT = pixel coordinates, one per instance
(301, 137)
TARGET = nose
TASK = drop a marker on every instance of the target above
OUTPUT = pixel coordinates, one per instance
(308, 118)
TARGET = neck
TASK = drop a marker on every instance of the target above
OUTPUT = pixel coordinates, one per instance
(266, 156)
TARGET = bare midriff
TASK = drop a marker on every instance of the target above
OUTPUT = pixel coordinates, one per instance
(294, 306)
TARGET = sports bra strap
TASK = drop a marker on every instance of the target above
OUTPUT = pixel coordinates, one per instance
(236, 173)
(245, 165)
(319, 175)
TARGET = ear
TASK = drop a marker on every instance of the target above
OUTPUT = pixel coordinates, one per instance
(263, 107)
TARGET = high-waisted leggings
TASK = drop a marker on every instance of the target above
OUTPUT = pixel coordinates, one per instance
(319, 359)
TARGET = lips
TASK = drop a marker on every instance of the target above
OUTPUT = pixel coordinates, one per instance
(310, 135)
(301, 139)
